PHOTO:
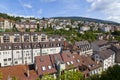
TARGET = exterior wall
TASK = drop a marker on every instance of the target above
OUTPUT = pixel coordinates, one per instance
(6, 58)
(27, 56)
(86, 52)
(109, 62)
(96, 71)
(54, 50)
(17, 57)
(36, 52)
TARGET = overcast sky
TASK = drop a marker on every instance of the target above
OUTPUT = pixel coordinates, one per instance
(100, 9)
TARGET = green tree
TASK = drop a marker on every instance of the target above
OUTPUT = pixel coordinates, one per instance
(14, 78)
(71, 75)
(8, 30)
(48, 77)
(1, 76)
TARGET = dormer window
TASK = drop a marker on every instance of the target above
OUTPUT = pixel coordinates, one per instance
(9, 47)
(68, 63)
(78, 60)
(43, 68)
(49, 67)
(71, 62)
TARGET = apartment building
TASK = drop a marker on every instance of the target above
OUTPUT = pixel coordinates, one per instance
(51, 47)
(6, 24)
(17, 53)
(5, 54)
(18, 37)
(83, 47)
(106, 57)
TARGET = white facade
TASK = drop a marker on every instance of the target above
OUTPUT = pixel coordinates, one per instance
(36, 52)
(17, 57)
(84, 28)
(6, 58)
(89, 52)
(109, 62)
(53, 50)
(27, 56)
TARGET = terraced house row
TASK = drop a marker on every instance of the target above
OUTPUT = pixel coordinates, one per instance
(21, 48)
(18, 37)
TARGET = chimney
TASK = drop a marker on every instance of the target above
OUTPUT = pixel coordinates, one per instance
(28, 73)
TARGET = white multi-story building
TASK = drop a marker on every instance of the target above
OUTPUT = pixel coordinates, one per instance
(51, 47)
(106, 57)
(6, 24)
(17, 54)
(5, 54)
(35, 50)
(27, 53)
(83, 48)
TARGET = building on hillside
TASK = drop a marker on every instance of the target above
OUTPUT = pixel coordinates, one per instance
(17, 54)
(43, 65)
(87, 66)
(18, 37)
(5, 54)
(106, 57)
(52, 47)
(116, 49)
(6, 24)
(100, 45)
(27, 53)
(83, 48)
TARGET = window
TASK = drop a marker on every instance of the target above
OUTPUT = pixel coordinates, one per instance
(78, 60)
(9, 59)
(71, 62)
(43, 68)
(5, 59)
(16, 62)
(49, 67)
(68, 63)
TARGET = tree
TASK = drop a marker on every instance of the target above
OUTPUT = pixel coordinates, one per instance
(1, 76)
(8, 30)
(48, 77)
(72, 75)
(14, 78)
(112, 73)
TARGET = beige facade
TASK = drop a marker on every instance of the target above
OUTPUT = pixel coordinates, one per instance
(18, 37)
(6, 24)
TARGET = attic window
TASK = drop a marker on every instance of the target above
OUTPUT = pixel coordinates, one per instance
(71, 62)
(68, 63)
(43, 68)
(49, 67)
(78, 60)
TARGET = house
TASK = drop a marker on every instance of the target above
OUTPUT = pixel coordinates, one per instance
(116, 49)
(83, 47)
(100, 45)
(17, 53)
(51, 47)
(36, 51)
(43, 65)
(106, 57)
(56, 38)
(5, 54)
(6, 24)
(22, 26)
(27, 53)
(84, 28)
(87, 66)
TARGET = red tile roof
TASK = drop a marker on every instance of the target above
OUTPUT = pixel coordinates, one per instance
(19, 72)
(44, 61)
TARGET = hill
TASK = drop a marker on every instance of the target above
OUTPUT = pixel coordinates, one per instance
(88, 19)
